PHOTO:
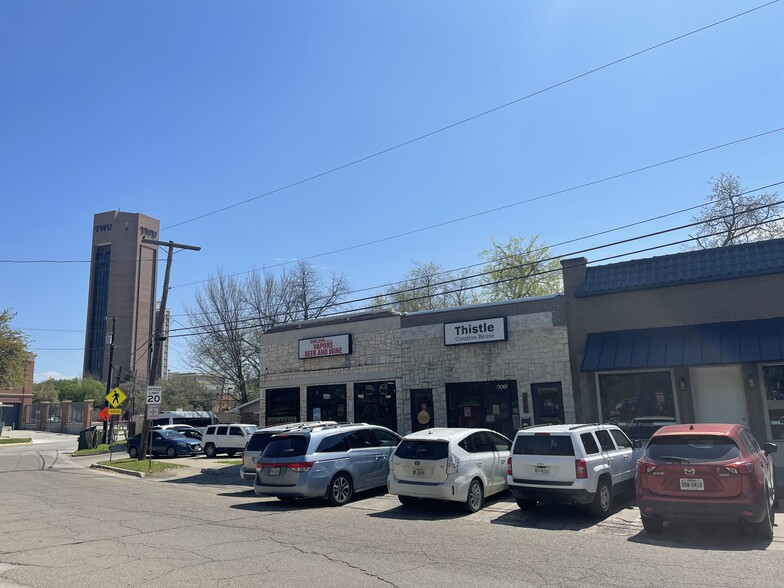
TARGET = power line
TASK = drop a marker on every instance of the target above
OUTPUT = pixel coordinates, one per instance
(545, 247)
(471, 118)
(520, 266)
(504, 207)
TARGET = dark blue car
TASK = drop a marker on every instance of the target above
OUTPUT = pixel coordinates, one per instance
(165, 442)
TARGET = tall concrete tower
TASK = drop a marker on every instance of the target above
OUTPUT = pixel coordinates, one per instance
(123, 274)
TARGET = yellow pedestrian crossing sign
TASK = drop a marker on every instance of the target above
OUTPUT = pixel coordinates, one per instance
(116, 397)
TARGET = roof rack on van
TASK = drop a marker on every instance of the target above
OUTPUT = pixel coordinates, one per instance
(583, 425)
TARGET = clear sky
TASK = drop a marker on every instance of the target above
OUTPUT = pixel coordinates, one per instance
(178, 108)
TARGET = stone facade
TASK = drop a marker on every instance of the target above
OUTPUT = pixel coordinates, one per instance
(410, 351)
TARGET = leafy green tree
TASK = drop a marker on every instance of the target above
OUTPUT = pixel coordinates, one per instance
(429, 286)
(186, 393)
(45, 392)
(520, 269)
(80, 389)
(13, 352)
(731, 217)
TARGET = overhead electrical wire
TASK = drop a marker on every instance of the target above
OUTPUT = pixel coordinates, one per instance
(520, 266)
(472, 117)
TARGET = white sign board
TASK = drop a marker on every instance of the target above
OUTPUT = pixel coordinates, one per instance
(153, 395)
(325, 346)
(478, 331)
(153, 412)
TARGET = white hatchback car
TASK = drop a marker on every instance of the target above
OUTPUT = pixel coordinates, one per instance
(463, 465)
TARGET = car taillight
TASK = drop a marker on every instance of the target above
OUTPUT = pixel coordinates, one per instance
(509, 466)
(580, 469)
(741, 467)
(303, 466)
(260, 466)
(645, 467)
(452, 464)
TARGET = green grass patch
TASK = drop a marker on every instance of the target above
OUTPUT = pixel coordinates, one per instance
(231, 461)
(97, 451)
(15, 440)
(146, 466)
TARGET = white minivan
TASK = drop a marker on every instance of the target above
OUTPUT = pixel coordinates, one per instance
(464, 465)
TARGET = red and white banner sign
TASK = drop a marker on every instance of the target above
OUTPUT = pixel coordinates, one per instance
(325, 346)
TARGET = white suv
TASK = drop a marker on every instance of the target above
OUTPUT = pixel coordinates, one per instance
(572, 464)
(228, 439)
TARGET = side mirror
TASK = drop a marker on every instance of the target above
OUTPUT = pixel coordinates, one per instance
(637, 443)
(769, 448)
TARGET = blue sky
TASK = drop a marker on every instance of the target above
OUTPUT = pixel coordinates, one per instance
(178, 108)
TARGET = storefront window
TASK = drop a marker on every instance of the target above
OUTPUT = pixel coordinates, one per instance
(375, 403)
(282, 406)
(327, 403)
(773, 375)
(422, 409)
(639, 403)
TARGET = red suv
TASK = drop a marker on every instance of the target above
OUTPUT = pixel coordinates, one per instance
(706, 472)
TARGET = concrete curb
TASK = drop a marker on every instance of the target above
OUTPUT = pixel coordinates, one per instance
(107, 468)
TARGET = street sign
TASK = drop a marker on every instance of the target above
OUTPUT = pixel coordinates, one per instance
(104, 414)
(153, 412)
(115, 411)
(153, 395)
(116, 397)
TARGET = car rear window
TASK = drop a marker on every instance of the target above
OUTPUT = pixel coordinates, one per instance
(287, 446)
(259, 441)
(546, 444)
(692, 448)
(416, 449)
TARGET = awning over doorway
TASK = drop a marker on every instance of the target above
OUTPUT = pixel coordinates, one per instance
(705, 344)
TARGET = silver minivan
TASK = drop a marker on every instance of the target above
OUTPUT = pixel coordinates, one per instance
(327, 461)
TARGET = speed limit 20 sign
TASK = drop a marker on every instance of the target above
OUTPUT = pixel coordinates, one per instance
(153, 395)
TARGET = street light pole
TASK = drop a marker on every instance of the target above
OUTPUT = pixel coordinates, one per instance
(158, 334)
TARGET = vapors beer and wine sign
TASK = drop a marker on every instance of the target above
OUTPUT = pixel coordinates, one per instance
(478, 331)
(325, 346)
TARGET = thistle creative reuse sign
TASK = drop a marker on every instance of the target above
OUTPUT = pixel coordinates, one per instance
(477, 331)
(325, 346)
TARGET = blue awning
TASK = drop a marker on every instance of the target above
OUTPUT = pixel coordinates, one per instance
(705, 344)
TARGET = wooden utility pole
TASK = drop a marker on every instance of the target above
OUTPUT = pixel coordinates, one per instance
(157, 336)
(109, 378)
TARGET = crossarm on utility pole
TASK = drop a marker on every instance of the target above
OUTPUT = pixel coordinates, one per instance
(157, 335)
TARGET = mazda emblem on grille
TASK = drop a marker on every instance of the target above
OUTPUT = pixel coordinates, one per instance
(688, 471)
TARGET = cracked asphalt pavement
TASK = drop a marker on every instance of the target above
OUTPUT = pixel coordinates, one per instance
(63, 524)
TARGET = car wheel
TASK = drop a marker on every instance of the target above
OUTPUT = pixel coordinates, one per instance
(526, 504)
(230, 453)
(408, 500)
(764, 529)
(602, 500)
(133, 452)
(171, 452)
(209, 450)
(340, 490)
(775, 495)
(476, 496)
(653, 525)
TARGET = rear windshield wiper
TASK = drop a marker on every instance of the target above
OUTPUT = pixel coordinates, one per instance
(674, 458)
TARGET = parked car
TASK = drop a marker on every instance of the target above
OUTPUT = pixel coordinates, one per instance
(325, 461)
(259, 440)
(464, 465)
(164, 442)
(228, 439)
(707, 472)
(572, 464)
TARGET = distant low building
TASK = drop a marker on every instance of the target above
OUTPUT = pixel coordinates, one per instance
(14, 401)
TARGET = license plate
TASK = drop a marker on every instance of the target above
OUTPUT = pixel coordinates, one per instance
(542, 470)
(419, 472)
(692, 484)
(274, 471)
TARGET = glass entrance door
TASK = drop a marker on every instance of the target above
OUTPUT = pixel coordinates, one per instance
(491, 405)
(422, 409)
